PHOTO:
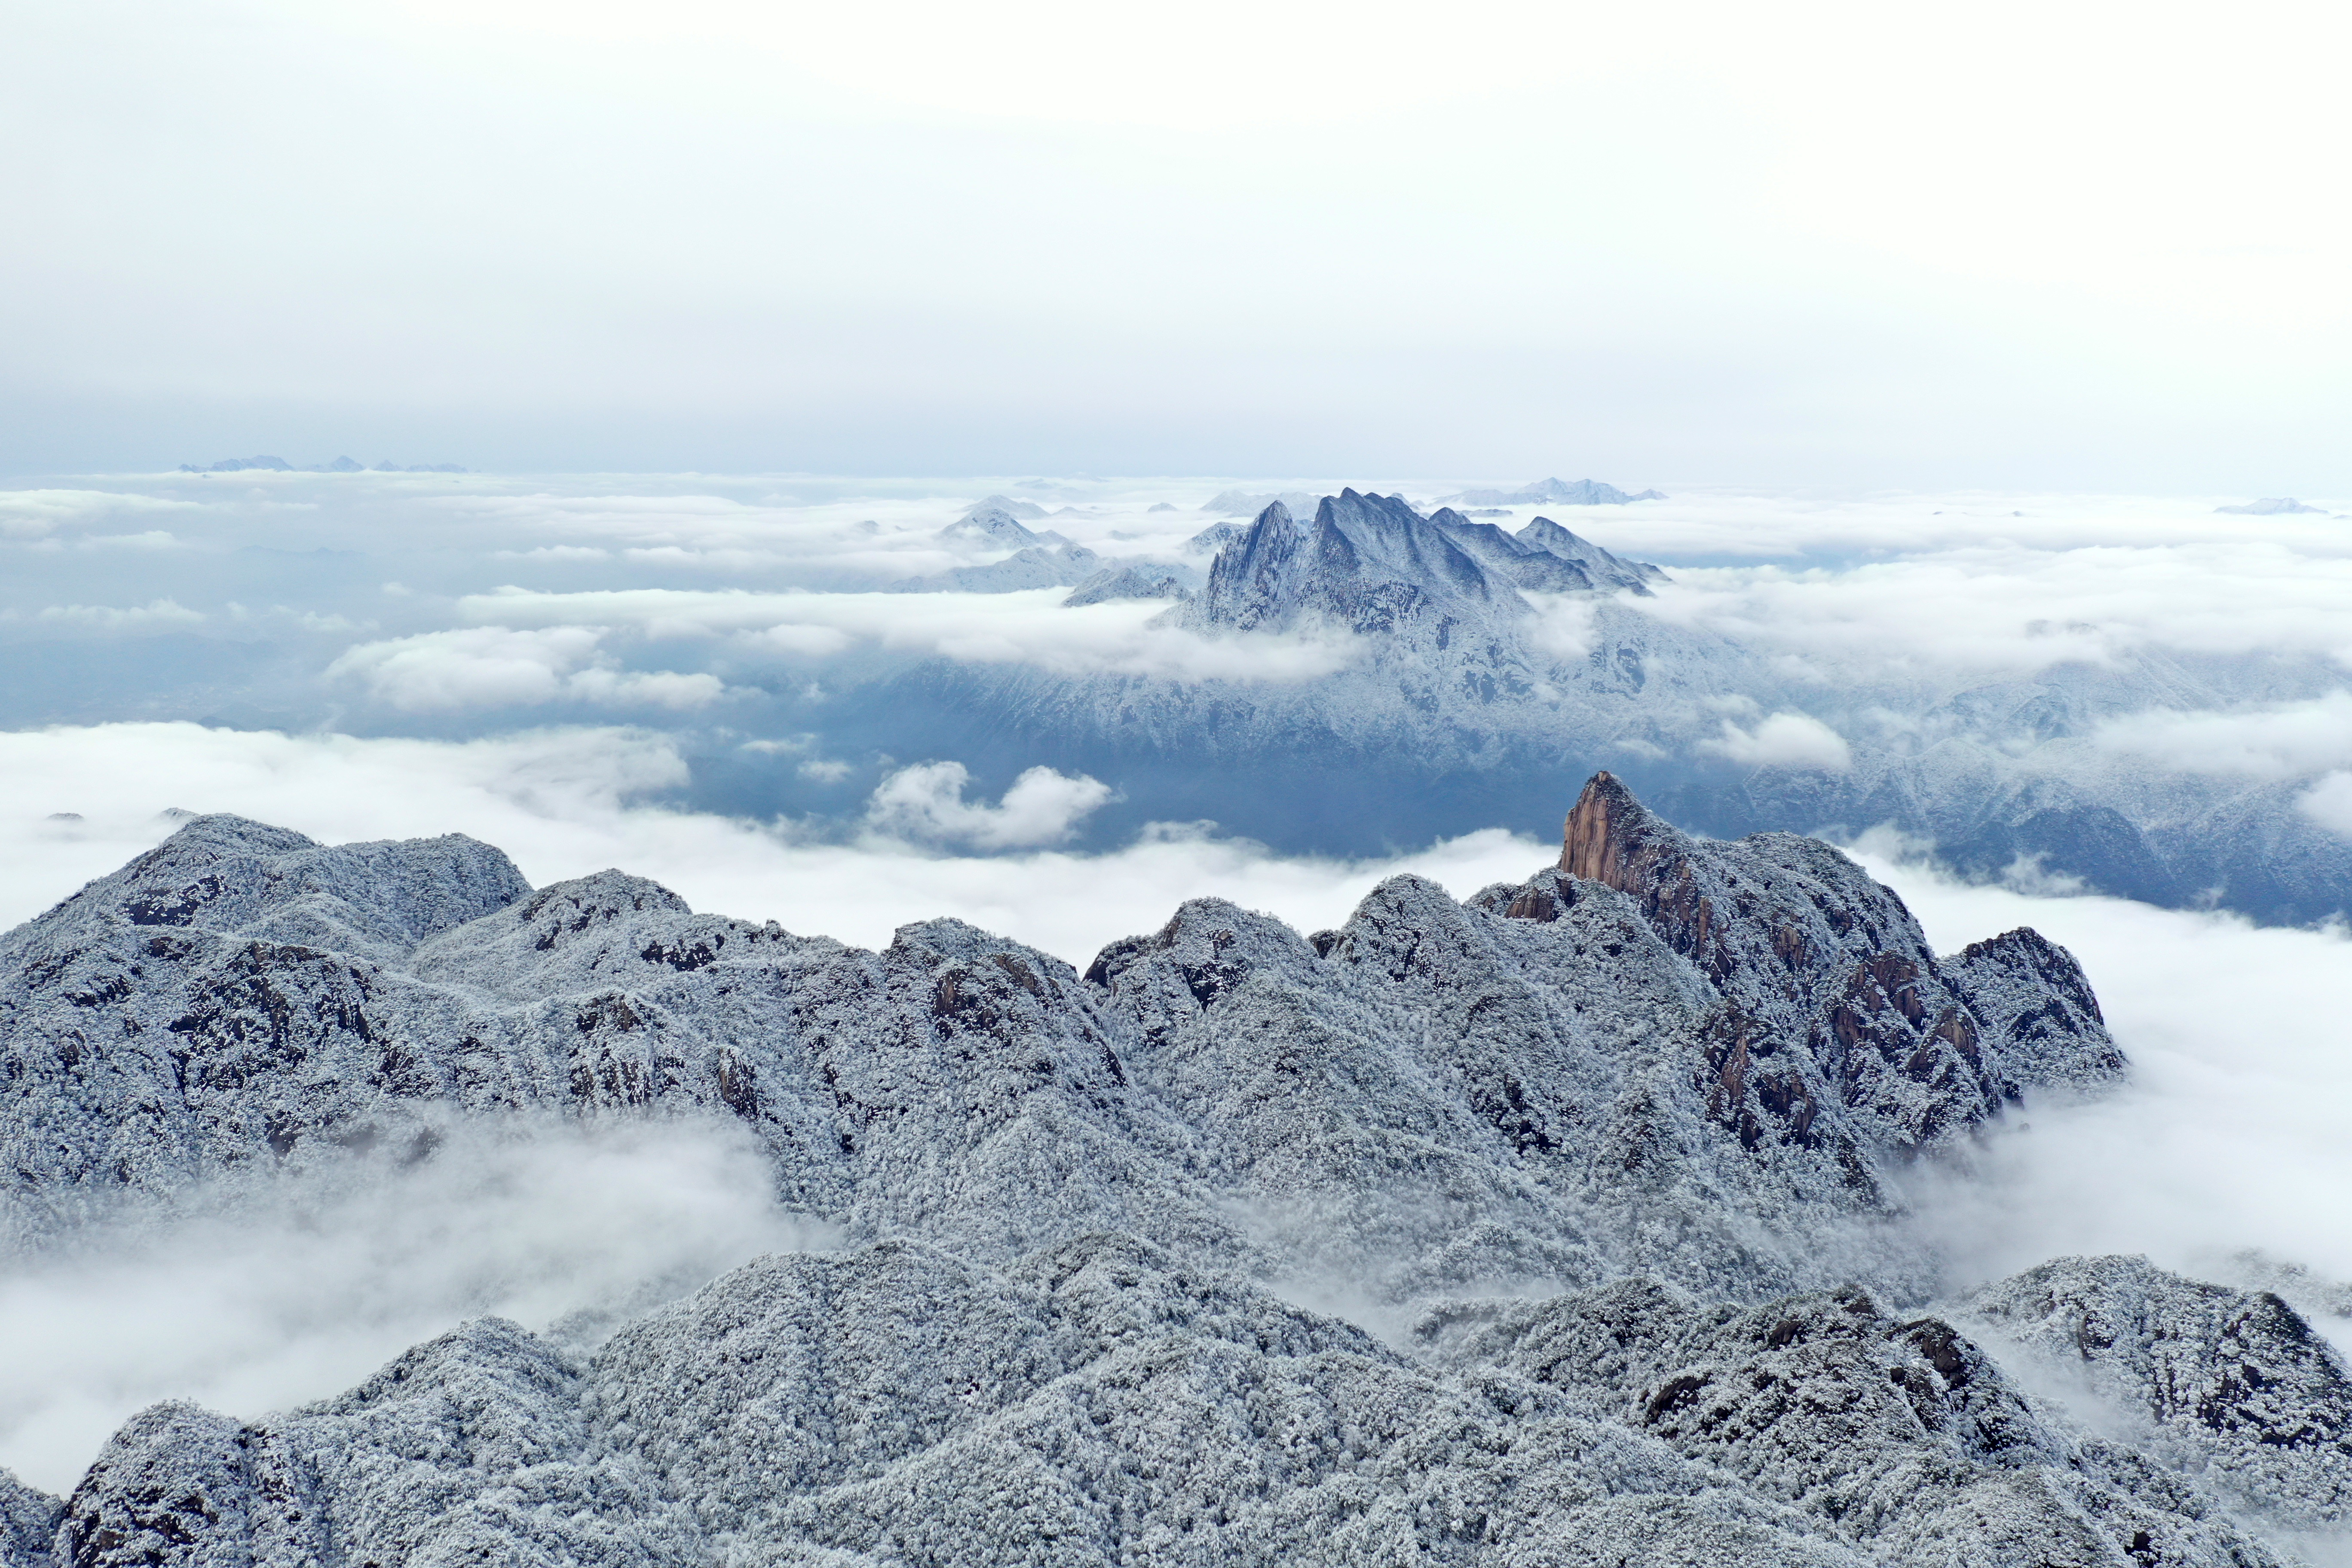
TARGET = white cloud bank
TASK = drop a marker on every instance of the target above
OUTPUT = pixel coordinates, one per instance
(926, 803)
(497, 666)
(2276, 741)
(2329, 804)
(2230, 1135)
(1795, 741)
(34, 514)
(159, 613)
(1030, 626)
(256, 1303)
(563, 803)
(2016, 608)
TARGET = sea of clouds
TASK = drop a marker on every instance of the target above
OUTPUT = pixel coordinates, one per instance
(543, 664)
(750, 618)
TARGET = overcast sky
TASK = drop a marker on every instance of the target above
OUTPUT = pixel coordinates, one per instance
(2054, 245)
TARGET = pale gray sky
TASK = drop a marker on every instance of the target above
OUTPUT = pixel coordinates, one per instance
(2088, 244)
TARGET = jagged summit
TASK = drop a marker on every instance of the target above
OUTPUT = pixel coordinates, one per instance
(1366, 563)
(1546, 558)
(1758, 1022)
(1543, 534)
(1372, 564)
(1806, 949)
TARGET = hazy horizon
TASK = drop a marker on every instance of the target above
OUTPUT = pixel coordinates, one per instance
(2053, 248)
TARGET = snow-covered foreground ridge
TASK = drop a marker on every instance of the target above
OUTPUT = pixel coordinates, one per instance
(1535, 1134)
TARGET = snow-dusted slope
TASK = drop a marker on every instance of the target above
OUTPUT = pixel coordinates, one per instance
(1546, 1125)
(1103, 1402)
(1443, 1073)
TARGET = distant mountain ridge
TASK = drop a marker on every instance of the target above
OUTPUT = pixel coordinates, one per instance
(2272, 506)
(339, 465)
(1583, 493)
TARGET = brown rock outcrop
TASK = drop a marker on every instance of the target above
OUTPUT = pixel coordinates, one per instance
(1802, 945)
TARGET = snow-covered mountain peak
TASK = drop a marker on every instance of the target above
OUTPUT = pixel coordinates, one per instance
(1607, 570)
(992, 526)
(1801, 944)
(1367, 563)
(1373, 564)
(227, 875)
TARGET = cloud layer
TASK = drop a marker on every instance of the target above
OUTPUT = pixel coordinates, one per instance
(1794, 741)
(926, 803)
(1030, 626)
(272, 1299)
(2230, 1136)
(495, 667)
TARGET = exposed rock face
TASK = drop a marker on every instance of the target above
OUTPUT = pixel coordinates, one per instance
(1833, 1002)
(1599, 1099)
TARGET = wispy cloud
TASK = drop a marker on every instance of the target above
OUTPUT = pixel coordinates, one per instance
(257, 1298)
(1026, 628)
(134, 617)
(926, 803)
(495, 667)
(2268, 741)
(1783, 741)
(37, 513)
(1984, 610)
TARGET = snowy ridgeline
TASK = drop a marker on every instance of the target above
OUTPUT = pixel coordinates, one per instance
(1608, 1151)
